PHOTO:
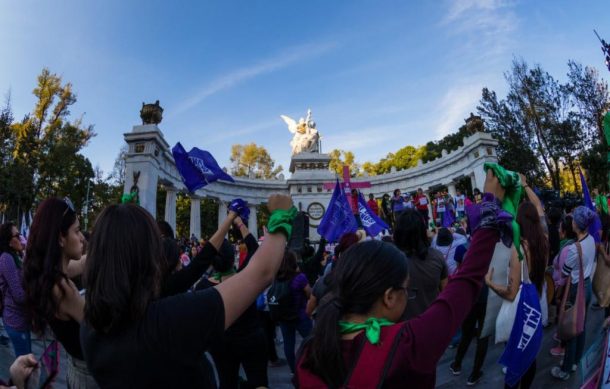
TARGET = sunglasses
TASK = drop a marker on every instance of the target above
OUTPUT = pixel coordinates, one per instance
(69, 205)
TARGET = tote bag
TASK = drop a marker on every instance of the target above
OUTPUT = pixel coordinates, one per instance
(572, 319)
(508, 311)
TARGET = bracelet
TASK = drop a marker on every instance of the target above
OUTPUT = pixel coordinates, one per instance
(281, 221)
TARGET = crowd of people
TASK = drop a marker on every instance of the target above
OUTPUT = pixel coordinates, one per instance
(135, 307)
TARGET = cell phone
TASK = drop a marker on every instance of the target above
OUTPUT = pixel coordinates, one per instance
(48, 366)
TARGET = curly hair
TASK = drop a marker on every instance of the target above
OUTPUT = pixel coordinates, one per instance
(43, 268)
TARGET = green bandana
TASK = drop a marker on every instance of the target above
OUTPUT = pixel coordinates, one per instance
(218, 275)
(130, 198)
(511, 182)
(602, 203)
(281, 221)
(372, 328)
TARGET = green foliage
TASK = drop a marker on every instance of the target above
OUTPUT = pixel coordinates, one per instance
(251, 158)
(544, 127)
(340, 158)
(44, 147)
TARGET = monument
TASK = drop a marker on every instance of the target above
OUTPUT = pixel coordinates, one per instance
(149, 163)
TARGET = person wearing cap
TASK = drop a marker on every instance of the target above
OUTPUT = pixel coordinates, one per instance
(582, 217)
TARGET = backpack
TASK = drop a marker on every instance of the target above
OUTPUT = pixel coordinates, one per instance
(280, 301)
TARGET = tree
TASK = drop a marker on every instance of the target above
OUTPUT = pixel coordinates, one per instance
(46, 160)
(340, 158)
(405, 158)
(252, 159)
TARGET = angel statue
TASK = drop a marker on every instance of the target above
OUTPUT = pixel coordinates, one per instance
(306, 138)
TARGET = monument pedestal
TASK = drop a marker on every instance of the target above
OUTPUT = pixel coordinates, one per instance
(306, 185)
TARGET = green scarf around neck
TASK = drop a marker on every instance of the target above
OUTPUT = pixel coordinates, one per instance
(372, 328)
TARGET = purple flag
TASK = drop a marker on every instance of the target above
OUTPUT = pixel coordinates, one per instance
(371, 223)
(338, 218)
(197, 167)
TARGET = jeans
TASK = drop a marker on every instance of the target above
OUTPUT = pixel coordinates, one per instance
(21, 341)
(289, 330)
(471, 328)
(575, 347)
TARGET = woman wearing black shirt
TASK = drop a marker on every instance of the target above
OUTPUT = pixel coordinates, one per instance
(130, 338)
(244, 342)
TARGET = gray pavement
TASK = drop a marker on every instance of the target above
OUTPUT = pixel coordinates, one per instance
(279, 377)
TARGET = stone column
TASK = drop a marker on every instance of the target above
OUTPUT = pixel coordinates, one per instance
(222, 212)
(170, 207)
(252, 222)
(195, 225)
(451, 189)
(479, 178)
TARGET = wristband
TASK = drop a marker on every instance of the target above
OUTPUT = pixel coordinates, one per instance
(281, 221)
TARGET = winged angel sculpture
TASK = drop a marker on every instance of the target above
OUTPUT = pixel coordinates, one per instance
(306, 138)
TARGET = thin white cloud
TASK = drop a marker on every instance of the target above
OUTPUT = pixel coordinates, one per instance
(268, 65)
(455, 106)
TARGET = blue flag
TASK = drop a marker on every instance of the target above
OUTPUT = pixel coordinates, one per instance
(338, 218)
(526, 336)
(371, 223)
(596, 226)
(197, 167)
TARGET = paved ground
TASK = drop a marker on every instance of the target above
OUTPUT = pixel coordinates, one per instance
(493, 378)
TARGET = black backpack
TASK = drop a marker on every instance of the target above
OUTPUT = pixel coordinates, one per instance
(280, 301)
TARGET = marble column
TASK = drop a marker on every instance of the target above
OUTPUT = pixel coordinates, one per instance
(479, 178)
(252, 222)
(195, 225)
(170, 207)
(222, 212)
(451, 189)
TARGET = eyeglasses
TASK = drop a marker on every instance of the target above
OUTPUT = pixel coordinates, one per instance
(412, 293)
(69, 205)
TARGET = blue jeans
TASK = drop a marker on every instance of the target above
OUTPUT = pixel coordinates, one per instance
(289, 330)
(575, 347)
(22, 343)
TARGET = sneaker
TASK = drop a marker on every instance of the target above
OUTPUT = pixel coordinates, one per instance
(455, 369)
(474, 379)
(558, 351)
(574, 368)
(556, 372)
(504, 370)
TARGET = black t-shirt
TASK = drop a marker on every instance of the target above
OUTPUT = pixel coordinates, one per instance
(245, 325)
(164, 350)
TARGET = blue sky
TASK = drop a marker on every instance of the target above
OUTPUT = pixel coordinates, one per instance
(377, 75)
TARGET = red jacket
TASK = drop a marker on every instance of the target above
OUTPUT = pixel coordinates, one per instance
(373, 206)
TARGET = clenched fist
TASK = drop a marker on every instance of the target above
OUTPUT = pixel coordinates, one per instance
(279, 201)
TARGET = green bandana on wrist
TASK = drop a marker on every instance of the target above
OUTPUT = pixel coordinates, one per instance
(372, 328)
(281, 221)
(218, 275)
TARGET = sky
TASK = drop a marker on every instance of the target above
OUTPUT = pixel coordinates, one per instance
(378, 75)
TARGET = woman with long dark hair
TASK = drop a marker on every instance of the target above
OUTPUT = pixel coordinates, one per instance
(130, 337)
(299, 290)
(243, 343)
(427, 265)
(53, 253)
(370, 292)
(15, 315)
(535, 247)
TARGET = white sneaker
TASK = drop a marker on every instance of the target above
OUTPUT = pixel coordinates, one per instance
(504, 369)
(560, 374)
